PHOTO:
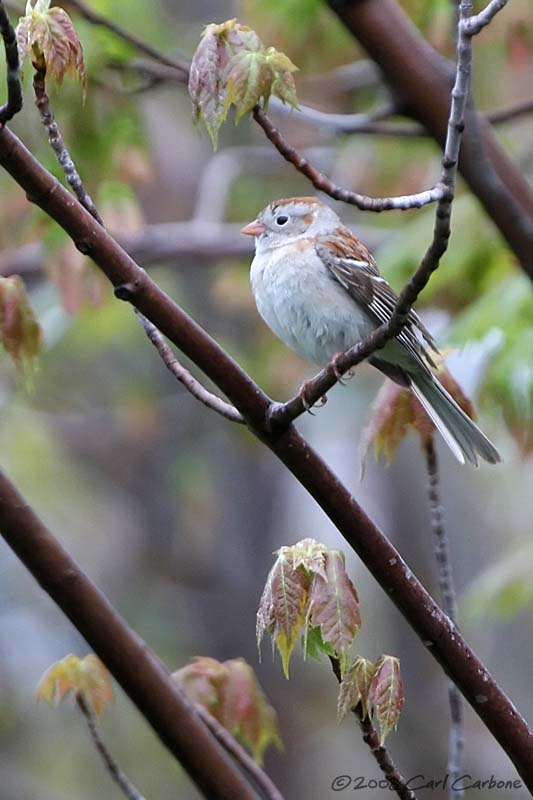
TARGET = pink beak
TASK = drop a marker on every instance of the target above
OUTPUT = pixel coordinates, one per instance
(254, 228)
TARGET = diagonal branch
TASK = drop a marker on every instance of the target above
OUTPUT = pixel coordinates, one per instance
(384, 562)
(144, 678)
(324, 184)
(268, 790)
(122, 781)
(184, 376)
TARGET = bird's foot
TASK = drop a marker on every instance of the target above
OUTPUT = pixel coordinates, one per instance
(307, 404)
(334, 366)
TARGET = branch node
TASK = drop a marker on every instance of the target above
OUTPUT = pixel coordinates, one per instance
(126, 291)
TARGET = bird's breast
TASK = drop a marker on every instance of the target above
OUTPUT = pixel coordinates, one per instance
(304, 305)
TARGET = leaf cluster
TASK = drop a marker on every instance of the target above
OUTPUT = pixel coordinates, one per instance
(232, 67)
(309, 594)
(377, 688)
(48, 37)
(77, 676)
(229, 691)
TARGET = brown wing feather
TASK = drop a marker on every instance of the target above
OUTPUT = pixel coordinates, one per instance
(352, 265)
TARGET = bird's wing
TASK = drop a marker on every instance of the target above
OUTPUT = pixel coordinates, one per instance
(353, 266)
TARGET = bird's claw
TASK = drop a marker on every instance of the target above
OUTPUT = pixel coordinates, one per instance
(305, 402)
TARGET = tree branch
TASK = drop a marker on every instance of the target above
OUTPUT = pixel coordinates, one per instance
(268, 790)
(381, 558)
(381, 754)
(14, 86)
(122, 781)
(184, 376)
(449, 603)
(58, 145)
(136, 42)
(324, 184)
(146, 681)
(420, 79)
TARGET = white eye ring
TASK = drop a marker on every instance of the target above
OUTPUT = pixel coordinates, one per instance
(282, 220)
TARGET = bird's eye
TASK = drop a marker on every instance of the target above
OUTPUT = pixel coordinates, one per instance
(282, 220)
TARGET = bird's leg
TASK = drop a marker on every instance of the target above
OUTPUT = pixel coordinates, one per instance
(305, 387)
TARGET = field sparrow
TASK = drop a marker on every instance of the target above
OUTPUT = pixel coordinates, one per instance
(319, 289)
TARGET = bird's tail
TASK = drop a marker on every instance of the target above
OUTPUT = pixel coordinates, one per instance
(462, 436)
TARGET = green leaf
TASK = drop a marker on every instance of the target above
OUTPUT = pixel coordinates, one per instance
(385, 695)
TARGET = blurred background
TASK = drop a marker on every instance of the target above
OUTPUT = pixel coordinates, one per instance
(174, 512)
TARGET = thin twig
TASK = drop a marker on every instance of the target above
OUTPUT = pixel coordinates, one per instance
(126, 787)
(317, 387)
(135, 41)
(268, 789)
(449, 603)
(324, 184)
(14, 86)
(58, 145)
(373, 122)
(371, 737)
(184, 376)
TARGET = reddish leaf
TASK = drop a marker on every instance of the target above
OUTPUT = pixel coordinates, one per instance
(48, 36)
(354, 687)
(230, 692)
(334, 606)
(385, 695)
(73, 675)
(396, 411)
(20, 332)
(281, 610)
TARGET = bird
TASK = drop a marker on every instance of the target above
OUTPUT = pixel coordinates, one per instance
(320, 291)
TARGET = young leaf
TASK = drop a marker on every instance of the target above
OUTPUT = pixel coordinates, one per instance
(230, 692)
(207, 79)
(396, 411)
(354, 687)
(48, 36)
(281, 611)
(20, 333)
(385, 695)
(73, 675)
(334, 606)
(231, 66)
